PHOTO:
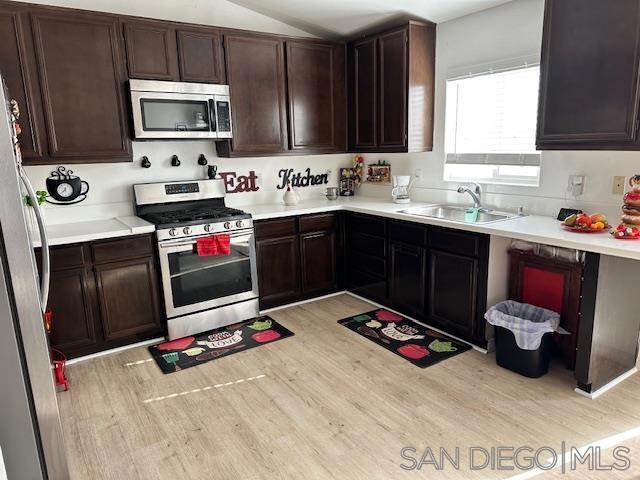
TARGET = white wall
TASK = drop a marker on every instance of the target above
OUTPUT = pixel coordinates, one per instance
(509, 31)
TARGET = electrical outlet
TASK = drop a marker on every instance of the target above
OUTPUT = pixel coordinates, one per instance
(618, 185)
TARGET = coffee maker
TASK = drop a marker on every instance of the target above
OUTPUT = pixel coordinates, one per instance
(401, 185)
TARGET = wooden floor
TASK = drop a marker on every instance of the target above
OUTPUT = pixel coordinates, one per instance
(331, 405)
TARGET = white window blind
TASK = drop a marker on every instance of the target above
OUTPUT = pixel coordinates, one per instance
(491, 119)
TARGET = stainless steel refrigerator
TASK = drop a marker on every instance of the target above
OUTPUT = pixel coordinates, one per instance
(30, 431)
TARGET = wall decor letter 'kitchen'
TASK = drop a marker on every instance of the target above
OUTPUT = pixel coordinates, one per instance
(234, 183)
(301, 180)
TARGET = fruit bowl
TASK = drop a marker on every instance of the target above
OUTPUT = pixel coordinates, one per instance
(584, 223)
(587, 229)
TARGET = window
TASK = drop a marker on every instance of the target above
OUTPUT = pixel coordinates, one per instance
(490, 128)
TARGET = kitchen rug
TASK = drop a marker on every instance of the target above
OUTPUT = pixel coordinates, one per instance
(191, 351)
(413, 342)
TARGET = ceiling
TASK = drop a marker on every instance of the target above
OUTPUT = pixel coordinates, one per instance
(342, 18)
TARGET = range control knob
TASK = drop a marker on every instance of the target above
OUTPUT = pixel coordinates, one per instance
(173, 232)
(239, 223)
(208, 227)
(227, 225)
(187, 230)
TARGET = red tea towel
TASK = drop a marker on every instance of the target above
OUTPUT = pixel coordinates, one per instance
(213, 245)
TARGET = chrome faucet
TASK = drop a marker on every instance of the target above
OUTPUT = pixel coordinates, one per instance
(476, 194)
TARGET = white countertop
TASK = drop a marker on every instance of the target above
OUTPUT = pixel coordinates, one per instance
(78, 232)
(532, 228)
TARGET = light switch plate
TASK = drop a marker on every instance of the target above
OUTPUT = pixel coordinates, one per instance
(618, 185)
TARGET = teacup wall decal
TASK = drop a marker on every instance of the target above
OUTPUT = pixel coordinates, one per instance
(65, 187)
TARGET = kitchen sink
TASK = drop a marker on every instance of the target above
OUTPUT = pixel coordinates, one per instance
(456, 213)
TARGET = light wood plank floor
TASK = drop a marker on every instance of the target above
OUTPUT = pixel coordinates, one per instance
(331, 405)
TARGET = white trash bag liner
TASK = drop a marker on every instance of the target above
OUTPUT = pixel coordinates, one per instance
(527, 322)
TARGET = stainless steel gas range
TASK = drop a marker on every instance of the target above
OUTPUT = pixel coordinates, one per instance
(202, 290)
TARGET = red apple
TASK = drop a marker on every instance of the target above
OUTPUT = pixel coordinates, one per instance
(413, 351)
(265, 336)
(388, 316)
(583, 220)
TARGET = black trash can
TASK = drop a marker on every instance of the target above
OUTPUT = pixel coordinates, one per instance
(532, 324)
(530, 363)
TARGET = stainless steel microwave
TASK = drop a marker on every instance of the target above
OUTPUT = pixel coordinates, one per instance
(176, 110)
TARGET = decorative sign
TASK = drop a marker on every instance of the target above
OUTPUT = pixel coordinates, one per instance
(234, 183)
(287, 176)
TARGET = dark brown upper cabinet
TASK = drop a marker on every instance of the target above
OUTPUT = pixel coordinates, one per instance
(363, 94)
(200, 55)
(256, 75)
(316, 96)
(19, 70)
(589, 84)
(82, 76)
(152, 51)
(391, 90)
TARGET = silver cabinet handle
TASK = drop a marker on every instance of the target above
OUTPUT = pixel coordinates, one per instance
(44, 240)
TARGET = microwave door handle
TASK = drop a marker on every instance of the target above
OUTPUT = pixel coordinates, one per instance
(213, 115)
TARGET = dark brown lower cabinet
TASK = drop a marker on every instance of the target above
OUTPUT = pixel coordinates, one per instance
(452, 292)
(71, 299)
(278, 267)
(128, 298)
(297, 258)
(407, 265)
(318, 261)
(103, 295)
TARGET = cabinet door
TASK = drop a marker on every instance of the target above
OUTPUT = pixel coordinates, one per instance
(18, 67)
(316, 94)
(82, 78)
(318, 254)
(255, 72)
(392, 87)
(72, 303)
(407, 278)
(363, 96)
(278, 270)
(452, 292)
(152, 52)
(589, 73)
(128, 299)
(200, 54)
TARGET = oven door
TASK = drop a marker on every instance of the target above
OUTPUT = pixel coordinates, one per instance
(193, 283)
(173, 115)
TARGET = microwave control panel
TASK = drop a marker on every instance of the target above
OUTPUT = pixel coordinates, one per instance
(224, 116)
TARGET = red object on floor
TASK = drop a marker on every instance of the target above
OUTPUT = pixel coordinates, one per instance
(47, 316)
(59, 366)
(214, 245)
(543, 288)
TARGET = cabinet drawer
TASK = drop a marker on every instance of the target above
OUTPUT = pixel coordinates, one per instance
(367, 263)
(63, 258)
(115, 250)
(368, 244)
(455, 241)
(280, 227)
(315, 223)
(408, 233)
(367, 224)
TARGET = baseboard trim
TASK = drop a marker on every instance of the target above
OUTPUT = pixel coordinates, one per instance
(302, 302)
(475, 347)
(115, 350)
(605, 388)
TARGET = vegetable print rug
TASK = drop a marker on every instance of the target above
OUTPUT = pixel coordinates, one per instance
(414, 342)
(191, 351)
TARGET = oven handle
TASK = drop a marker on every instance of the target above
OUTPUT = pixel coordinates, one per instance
(185, 246)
